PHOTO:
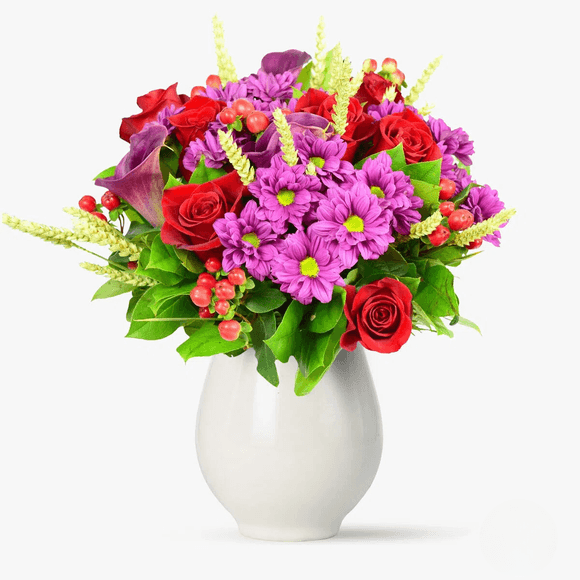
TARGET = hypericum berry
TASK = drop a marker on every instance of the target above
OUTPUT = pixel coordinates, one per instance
(201, 295)
(197, 91)
(370, 65)
(100, 215)
(213, 81)
(204, 312)
(222, 307)
(110, 200)
(398, 77)
(439, 236)
(256, 122)
(224, 290)
(237, 277)
(460, 219)
(88, 203)
(242, 107)
(206, 280)
(132, 265)
(227, 116)
(475, 244)
(446, 208)
(213, 265)
(229, 329)
(389, 65)
(448, 188)
(286, 111)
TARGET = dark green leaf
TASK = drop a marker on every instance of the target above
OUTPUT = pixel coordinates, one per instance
(310, 355)
(160, 294)
(447, 255)
(462, 196)
(139, 229)
(206, 341)
(265, 299)
(190, 261)
(326, 315)
(264, 328)
(411, 283)
(112, 288)
(436, 294)
(283, 342)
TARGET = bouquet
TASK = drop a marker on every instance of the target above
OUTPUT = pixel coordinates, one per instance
(303, 209)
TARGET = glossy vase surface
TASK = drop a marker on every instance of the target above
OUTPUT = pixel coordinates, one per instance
(289, 468)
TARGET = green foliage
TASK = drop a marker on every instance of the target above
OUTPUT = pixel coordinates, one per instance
(397, 156)
(265, 298)
(206, 341)
(435, 294)
(325, 316)
(112, 288)
(263, 328)
(109, 172)
(304, 77)
(203, 174)
(286, 338)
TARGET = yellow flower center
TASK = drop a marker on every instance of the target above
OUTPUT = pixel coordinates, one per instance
(252, 238)
(286, 197)
(377, 191)
(354, 224)
(309, 267)
(318, 161)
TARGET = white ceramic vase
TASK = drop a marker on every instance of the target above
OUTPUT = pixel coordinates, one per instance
(289, 468)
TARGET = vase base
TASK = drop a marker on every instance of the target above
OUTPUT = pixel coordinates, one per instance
(282, 534)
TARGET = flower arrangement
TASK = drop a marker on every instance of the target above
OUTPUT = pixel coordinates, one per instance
(305, 208)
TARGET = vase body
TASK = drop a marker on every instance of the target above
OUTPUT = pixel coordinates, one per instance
(288, 468)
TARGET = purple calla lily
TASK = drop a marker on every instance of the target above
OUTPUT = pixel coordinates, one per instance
(280, 62)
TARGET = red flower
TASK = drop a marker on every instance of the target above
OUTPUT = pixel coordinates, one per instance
(151, 104)
(373, 88)
(191, 210)
(379, 316)
(194, 120)
(410, 130)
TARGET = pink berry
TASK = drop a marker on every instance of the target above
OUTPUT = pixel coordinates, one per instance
(201, 295)
(397, 77)
(229, 329)
(227, 116)
(448, 188)
(224, 290)
(99, 215)
(242, 107)
(206, 280)
(213, 81)
(237, 277)
(88, 203)
(460, 219)
(204, 312)
(439, 236)
(256, 122)
(475, 244)
(370, 65)
(110, 200)
(446, 208)
(213, 265)
(222, 307)
(389, 65)
(132, 265)
(197, 91)
(286, 111)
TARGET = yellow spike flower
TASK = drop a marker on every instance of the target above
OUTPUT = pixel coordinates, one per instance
(57, 236)
(226, 68)
(319, 61)
(120, 276)
(420, 85)
(427, 226)
(336, 67)
(390, 94)
(290, 155)
(347, 89)
(426, 110)
(235, 156)
(483, 228)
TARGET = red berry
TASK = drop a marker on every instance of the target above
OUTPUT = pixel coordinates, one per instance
(197, 90)
(213, 265)
(242, 107)
(132, 265)
(227, 116)
(229, 329)
(256, 122)
(446, 208)
(460, 219)
(204, 312)
(286, 111)
(439, 236)
(222, 307)
(398, 77)
(201, 295)
(475, 244)
(224, 290)
(206, 280)
(448, 188)
(237, 277)
(370, 65)
(110, 200)
(389, 65)
(88, 203)
(99, 215)
(213, 81)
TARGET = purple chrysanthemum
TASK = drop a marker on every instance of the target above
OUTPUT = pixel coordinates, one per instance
(353, 222)
(211, 150)
(453, 142)
(229, 93)
(483, 203)
(393, 190)
(269, 87)
(386, 108)
(284, 193)
(306, 268)
(163, 118)
(247, 240)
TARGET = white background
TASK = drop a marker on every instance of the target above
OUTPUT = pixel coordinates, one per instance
(98, 475)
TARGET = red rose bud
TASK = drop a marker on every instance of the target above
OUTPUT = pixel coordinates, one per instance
(475, 244)
(229, 330)
(369, 65)
(439, 236)
(132, 265)
(213, 81)
(389, 65)
(448, 188)
(397, 77)
(460, 219)
(256, 122)
(227, 116)
(88, 203)
(206, 280)
(204, 312)
(201, 295)
(99, 215)
(224, 290)
(222, 307)
(242, 107)
(213, 265)
(237, 277)
(110, 200)
(446, 208)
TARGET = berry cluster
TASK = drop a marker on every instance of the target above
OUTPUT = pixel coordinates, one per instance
(243, 111)
(109, 201)
(389, 70)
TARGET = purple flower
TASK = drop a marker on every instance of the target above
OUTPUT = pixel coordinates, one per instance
(269, 87)
(284, 193)
(483, 203)
(386, 108)
(452, 142)
(247, 240)
(306, 268)
(280, 62)
(393, 190)
(229, 93)
(163, 117)
(353, 222)
(211, 150)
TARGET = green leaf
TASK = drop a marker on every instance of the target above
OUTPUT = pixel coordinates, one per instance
(411, 283)
(462, 196)
(166, 278)
(436, 294)
(265, 299)
(172, 182)
(391, 264)
(112, 288)
(139, 229)
(427, 171)
(163, 257)
(189, 261)
(304, 79)
(109, 172)
(396, 154)
(429, 194)
(160, 294)
(284, 341)
(137, 293)
(264, 328)
(203, 174)
(327, 61)
(464, 322)
(313, 347)
(206, 341)
(169, 159)
(326, 315)
(447, 255)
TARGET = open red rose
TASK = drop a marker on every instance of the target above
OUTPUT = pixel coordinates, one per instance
(379, 316)
(194, 120)
(410, 130)
(151, 105)
(191, 210)
(373, 89)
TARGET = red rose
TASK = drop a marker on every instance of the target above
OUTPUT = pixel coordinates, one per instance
(379, 315)
(191, 210)
(151, 104)
(373, 89)
(410, 130)
(310, 101)
(194, 120)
